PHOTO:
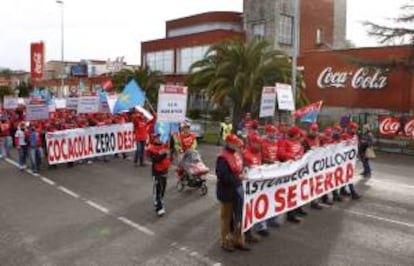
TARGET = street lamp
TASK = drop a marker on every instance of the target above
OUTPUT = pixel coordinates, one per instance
(60, 2)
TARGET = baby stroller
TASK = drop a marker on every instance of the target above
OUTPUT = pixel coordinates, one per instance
(191, 172)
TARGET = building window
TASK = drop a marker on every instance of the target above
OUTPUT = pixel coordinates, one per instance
(188, 56)
(285, 29)
(161, 61)
(259, 30)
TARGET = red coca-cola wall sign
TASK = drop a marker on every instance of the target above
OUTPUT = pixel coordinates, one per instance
(336, 78)
(392, 126)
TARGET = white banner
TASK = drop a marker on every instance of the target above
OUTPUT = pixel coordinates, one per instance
(268, 102)
(88, 104)
(60, 103)
(172, 103)
(10, 102)
(81, 143)
(72, 103)
(37, 112)
(285, 97)
(278, 188)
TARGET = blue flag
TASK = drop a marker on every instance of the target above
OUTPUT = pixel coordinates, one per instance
(131, 96)
(82, 85)
(165, 129)
(309, 113)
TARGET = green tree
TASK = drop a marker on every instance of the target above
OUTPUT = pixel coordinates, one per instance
(148, 79)
(238, 71)
(24, 89)
(5, 91)
(401, 32)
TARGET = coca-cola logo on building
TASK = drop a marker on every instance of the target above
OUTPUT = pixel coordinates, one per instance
(362, 78)
(393, 126)
(389, 125)
(409, 128)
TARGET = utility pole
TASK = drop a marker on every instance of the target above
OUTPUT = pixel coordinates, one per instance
(62, 51)
(295, 48)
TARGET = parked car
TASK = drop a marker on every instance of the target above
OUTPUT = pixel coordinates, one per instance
(197, 128)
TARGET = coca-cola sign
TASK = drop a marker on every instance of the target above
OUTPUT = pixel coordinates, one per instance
(392, 126)
(362, 78)
(37, 60)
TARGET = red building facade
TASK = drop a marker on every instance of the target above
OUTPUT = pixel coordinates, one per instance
(187, 39)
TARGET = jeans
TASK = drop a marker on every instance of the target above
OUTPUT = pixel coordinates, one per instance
(160, 183)
(35, 159)
(5, 144)
(366, 166)
(139, 152)
(22, 155)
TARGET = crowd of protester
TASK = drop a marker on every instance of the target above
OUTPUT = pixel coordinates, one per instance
(279, 143)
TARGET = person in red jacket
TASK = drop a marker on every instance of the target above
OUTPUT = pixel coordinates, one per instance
(270, 145)
(5, 136)
(350, 133)
(292, 149)
(159, 154)
(312, 140)
(252, 131)
(252, 157)
(141, 136)
(185, 140)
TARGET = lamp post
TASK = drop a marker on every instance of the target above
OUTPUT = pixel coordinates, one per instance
(295, 48)
(62, 58)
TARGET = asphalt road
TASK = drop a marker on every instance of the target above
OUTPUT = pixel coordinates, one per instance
(102, 214)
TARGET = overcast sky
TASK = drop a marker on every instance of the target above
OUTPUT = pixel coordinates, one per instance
(96, 29)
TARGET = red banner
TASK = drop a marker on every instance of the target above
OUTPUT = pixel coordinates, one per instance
(393, 126)
(37, 60)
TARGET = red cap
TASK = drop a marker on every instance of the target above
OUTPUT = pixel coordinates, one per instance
(269, 129)
(328, 131)
(353, 125)
(303, 133)
(314, 127)
(233, 139)
(255, 138)
(337, 128)
(294, 131)
(255, 123)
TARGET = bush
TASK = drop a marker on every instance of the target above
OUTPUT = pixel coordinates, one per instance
(219, 114)
(194, 113)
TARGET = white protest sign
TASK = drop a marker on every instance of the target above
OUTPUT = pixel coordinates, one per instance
(112, 101)
(285, 97)
(37, 112)
(60, 103)
(72, 103)
(172, 103)
(10, 102)
(268, 102)
(88, 104)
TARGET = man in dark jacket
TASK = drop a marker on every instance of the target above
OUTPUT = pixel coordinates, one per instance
(229, 170)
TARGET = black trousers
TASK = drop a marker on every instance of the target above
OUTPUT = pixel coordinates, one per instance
(160, 184)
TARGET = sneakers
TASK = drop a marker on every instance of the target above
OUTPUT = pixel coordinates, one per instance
(327, 202)
(356, 196)
(301, 212)
(161, 212)
(293, 219)
(251, 238)
(263, 233)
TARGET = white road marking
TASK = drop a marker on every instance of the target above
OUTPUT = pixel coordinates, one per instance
(12, 162)
(47, 180)
(68, 191)
(141, 228)
(97, 206)
(390, 183)
(379, 218)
